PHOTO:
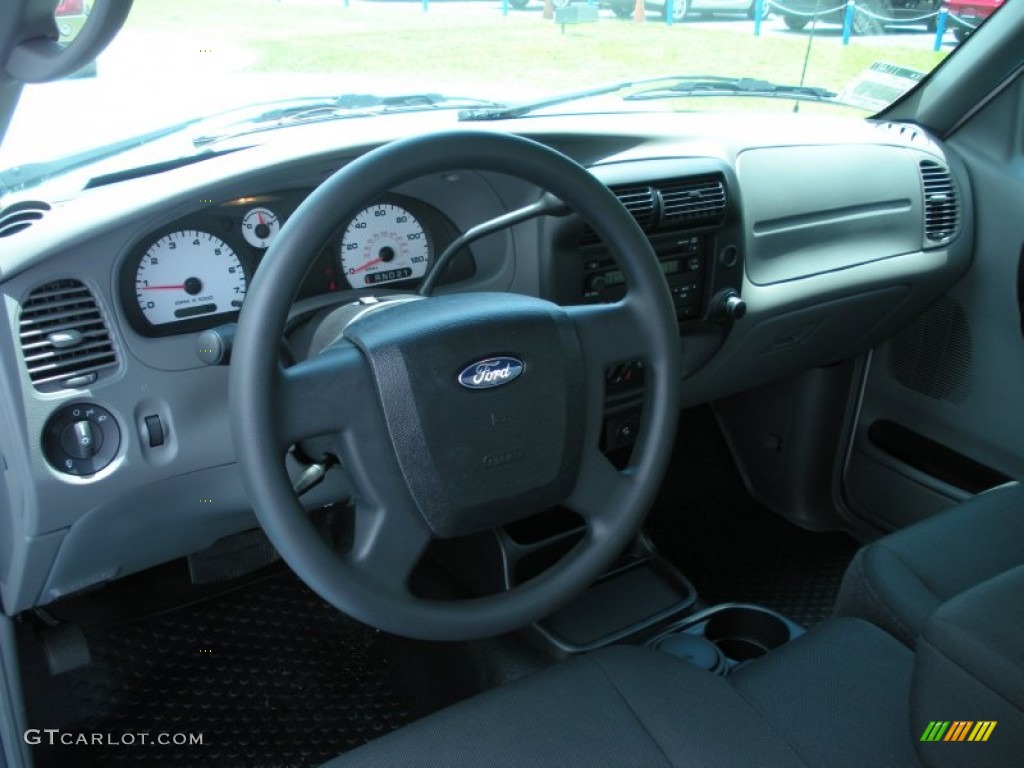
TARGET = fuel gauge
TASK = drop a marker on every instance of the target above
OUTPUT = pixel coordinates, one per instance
(259, 226)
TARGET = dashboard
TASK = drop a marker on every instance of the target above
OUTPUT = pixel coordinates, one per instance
(799, 244)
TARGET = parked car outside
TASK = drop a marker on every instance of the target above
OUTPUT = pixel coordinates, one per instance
(871, 17)
(684, 8)
(624, 9)
(966, 15)
(70, 16)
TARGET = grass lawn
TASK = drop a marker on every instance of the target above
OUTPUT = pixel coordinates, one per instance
(476, 51)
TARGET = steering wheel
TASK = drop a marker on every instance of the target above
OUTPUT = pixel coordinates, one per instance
(458, 413)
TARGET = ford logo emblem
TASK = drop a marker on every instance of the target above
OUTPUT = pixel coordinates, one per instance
(492, 372)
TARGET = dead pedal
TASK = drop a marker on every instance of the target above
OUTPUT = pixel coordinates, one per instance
(65, 648)
(232, 557)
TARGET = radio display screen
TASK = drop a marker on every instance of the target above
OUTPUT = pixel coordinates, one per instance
(669, 267)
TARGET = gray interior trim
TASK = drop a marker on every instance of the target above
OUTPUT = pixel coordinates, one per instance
(13, 720)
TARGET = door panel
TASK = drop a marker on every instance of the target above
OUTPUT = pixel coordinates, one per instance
(942, 408)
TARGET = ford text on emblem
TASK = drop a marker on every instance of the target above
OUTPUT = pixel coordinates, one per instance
(492, 372)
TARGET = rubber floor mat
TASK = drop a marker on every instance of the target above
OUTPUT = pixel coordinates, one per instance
(268, 675)
(732, 548)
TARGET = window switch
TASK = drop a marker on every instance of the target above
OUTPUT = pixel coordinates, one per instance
(155, 428)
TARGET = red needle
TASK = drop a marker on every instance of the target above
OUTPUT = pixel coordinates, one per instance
(163, 287)
(367, 265)
(259, 215)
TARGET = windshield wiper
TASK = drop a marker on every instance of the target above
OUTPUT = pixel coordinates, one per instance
(347, 105)
(519, 110)
(670, 86)
(229, 124)
(732, 86)
(30, 174)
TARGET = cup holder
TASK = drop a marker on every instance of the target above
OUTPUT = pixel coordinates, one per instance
(695, 649)
(746, 633)
(736, 632)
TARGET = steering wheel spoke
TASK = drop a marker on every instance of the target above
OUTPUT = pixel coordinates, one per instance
(387, 545)
(601, 492)
(608, 333)
(322, 395)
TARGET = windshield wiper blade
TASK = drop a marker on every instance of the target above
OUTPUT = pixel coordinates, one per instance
(232, 123)
(519, 110)
(732, 86)
(348, 105)
(672, 85)
(21, 177)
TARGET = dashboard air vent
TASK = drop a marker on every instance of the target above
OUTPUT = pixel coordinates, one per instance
(668, 205)
(21, 216)
(64, 339)
(693, 200)
(640, 203)
(941, 206)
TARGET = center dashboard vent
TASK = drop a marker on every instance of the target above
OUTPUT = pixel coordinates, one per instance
(641, 204)
(696, 200)
(667, 205)
(941, 205)
(64, 339)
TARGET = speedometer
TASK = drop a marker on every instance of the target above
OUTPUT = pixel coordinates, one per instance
(188, 275)
(384, 243)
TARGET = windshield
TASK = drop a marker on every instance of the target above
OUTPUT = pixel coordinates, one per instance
(302, 60)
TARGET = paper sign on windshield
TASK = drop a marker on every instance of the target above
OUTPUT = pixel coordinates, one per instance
(880, 85)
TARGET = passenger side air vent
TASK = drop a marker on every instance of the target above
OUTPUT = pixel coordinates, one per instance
(20, 216)
(693, 200)
(64, 339)
(640, 203)
(941, 207)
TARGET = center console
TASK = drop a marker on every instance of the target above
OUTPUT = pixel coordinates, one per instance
(683, 258)
(687, 211)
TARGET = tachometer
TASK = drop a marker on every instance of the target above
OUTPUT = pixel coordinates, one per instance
(186, 275)
(384, 243)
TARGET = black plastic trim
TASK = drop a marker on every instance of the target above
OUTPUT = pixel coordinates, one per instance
(933, 458)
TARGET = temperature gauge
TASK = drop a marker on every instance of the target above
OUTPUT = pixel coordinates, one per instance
(259, 226)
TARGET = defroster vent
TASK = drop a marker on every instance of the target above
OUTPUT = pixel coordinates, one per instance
(20, 216)
(941, 205)
(64, 338)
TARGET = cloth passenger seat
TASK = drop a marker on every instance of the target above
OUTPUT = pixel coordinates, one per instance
(900, 580)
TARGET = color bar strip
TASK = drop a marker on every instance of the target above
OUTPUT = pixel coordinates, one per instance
(935, 731)
(982, 730)
(959, 730)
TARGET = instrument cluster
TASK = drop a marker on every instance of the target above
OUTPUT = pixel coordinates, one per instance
(193, 273)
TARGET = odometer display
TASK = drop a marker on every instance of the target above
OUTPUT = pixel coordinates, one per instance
(384, 243)
(187, 275)
(388, 276)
